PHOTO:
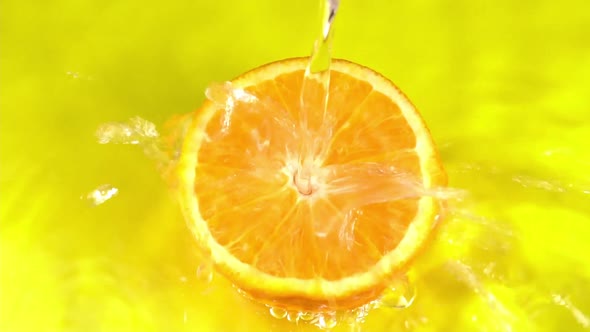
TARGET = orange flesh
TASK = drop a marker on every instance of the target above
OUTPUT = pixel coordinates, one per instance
(269, 213)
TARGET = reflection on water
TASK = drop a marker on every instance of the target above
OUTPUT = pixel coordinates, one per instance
(502, 85)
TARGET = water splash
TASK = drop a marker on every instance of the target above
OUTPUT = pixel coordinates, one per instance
(550, 185)
(400, 294)
(527, 181)
(293, 316)
(325, 321)
(226, 95)
(306, 316)
(205, 272)
(382, 182)
(135, 131)
(101, 194)
(109, 285)
(465, 274)
(75, 75)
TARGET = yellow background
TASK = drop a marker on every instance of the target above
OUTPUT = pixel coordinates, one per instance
(503, 86)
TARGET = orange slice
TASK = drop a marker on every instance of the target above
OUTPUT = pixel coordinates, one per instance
(305, 206)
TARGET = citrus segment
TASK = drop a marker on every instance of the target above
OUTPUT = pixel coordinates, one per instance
(326, 230)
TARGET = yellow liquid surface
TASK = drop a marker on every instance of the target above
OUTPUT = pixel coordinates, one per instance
(502, 85)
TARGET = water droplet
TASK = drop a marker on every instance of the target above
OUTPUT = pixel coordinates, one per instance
(101, 194)
(278, 313)
(205, 272)
(400, 294)
(326, 321)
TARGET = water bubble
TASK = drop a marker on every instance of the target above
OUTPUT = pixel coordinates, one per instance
(101, 194)
(205, 272)
(326, 321)
(306, 316)
(355, 316)
(293, 316)
(277, 312)
(399, 295)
